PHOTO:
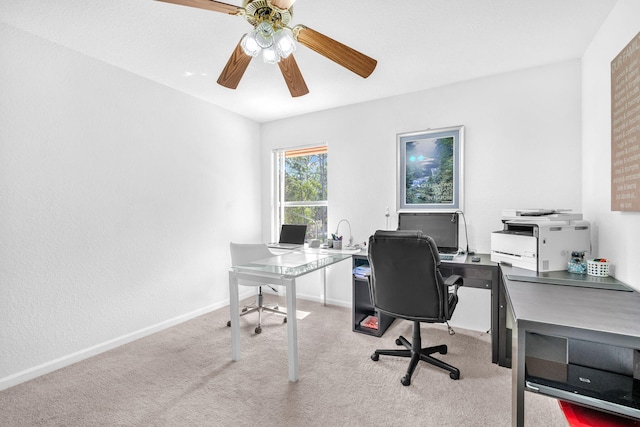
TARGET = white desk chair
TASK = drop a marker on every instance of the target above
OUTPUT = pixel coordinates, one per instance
(244, 253)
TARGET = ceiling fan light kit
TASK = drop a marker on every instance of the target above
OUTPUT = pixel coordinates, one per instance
(250, 45)
(274, 44)
(275, 40)
(263, 35)
(284, 42)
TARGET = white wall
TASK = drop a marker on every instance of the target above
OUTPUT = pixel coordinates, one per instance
(522, 150)
(118, 199)
(615, 233)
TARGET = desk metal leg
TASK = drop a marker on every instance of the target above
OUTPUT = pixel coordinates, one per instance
(234, 308)
(292, 329)
(517, 377)
(324, 284)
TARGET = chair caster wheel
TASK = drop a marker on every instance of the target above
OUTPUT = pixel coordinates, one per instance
(375, 357)
(284, 320)
(443, 351)
(398, 342)
(229, 323)
(454, 375)
(258, 330)
(405, 381)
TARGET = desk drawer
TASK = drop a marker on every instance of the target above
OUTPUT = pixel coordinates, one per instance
(473, 276)
(476, 283)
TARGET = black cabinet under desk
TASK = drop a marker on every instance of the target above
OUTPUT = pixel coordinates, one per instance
(587, 372)
(484, 274)
(362, 306)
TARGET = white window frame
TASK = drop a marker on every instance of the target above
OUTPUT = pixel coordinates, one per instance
(277, 186)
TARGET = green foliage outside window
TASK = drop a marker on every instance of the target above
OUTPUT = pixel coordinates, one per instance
(305, 193)
(306, 178)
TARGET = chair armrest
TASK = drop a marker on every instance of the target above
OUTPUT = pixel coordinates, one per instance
(452, 284)
(454, 281)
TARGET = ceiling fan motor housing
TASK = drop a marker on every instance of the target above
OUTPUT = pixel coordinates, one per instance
(262, 11)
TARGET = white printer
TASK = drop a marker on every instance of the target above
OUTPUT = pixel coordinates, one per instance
(540, 239)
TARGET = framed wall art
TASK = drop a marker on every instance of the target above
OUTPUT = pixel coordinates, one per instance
(625, 128)
(430, 170)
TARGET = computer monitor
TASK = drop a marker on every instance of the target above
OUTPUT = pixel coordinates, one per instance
(441, 226)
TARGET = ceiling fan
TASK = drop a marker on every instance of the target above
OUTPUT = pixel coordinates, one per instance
(274, 39)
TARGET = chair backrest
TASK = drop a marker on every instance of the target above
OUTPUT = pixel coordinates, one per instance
(405, 279)
(243, 253)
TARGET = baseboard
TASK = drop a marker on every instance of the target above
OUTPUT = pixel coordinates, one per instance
(70, 359)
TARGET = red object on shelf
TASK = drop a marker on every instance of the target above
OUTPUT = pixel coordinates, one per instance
(580, 416)
(370, 322)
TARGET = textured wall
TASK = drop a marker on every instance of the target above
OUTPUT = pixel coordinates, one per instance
(118, 199)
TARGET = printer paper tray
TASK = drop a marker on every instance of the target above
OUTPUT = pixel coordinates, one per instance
(514, 260)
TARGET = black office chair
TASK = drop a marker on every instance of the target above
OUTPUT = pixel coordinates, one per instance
(406, 283)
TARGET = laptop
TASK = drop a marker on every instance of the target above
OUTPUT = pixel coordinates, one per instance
(291, 237)
(441, 226)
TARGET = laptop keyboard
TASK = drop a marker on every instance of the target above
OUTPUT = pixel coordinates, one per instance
(446, 257)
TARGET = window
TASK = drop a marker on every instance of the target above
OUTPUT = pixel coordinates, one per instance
(301, 189)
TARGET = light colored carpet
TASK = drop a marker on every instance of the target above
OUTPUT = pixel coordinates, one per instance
(184, 376)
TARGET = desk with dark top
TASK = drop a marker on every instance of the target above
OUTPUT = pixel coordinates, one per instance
(575, 343)
(483, 275)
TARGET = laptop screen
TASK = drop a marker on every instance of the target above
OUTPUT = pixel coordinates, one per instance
(442, 227)
(293, 233)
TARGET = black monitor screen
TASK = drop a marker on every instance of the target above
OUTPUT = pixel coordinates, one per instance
(443, 227)
(291, 233)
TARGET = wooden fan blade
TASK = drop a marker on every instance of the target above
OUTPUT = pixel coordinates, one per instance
(216, 6)
(341, 54)
(283, 4)
(293, 76)
(235, 68)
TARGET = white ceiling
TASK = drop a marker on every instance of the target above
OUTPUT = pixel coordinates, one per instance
(419, 44)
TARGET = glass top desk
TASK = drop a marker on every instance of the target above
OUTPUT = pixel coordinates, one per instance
(279, 270)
